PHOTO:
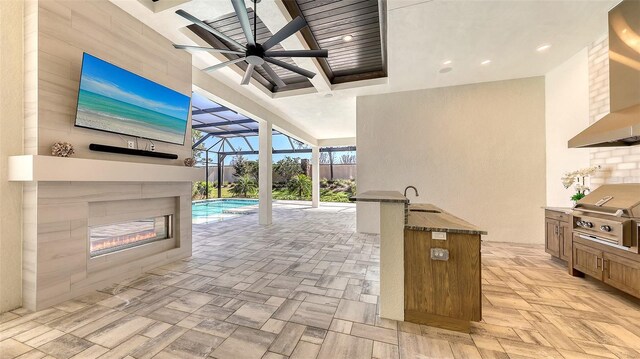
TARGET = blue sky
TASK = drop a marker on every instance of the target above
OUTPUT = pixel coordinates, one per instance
(280, 142)
(105, 79)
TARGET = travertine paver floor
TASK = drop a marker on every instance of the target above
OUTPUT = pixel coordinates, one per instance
(307, 287)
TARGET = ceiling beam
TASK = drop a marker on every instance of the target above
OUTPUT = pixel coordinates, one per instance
(227, 123)
(214, 145)
(337, 142)
(211, 110)
(284, 152)
(204, 138)
(235, 132)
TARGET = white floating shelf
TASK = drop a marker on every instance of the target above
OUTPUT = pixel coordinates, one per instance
(30, 168)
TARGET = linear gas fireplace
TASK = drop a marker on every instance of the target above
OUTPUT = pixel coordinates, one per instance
(105, 239)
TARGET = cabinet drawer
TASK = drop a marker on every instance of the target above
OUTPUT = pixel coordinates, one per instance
(559, 216)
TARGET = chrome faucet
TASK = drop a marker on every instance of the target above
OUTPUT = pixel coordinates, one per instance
(415, 189)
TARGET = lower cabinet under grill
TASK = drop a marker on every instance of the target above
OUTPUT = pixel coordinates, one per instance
(615, 267)
(610, 264)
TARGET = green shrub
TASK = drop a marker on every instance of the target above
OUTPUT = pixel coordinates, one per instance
(287, 168)
(329, 196)
(243, 186)
(288, 196)
(199, 190)
(300, 185)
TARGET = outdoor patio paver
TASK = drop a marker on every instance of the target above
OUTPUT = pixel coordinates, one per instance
(307, 287)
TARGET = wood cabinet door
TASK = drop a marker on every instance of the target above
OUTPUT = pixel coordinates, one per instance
(552, 239)
(449, 288)
(566, 235)
(587, 260)
(622, 273)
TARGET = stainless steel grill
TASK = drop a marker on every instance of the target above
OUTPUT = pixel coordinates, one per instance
(610, 215)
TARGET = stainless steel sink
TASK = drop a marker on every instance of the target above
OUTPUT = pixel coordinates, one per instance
(424, 210)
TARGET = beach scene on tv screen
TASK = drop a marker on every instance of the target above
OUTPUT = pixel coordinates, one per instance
(113, 99)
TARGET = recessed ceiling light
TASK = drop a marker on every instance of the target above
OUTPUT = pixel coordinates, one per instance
(347, 38)
(543, 47)
(328, 95)
(447, 62)
(444, 70)
(485, 62)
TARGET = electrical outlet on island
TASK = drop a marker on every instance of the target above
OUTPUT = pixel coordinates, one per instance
(131, 144)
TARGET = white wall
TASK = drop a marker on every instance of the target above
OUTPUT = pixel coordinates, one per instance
(11, 123)
(567, 113)
(66, 29)
(477, 151)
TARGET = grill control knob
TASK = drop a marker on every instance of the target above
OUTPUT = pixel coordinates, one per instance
(588, 224)
(605, 228)
(580, 223)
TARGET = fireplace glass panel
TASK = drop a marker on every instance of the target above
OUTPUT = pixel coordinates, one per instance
(105, 239)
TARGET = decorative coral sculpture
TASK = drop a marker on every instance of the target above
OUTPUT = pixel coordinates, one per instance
(62, 149)
(189, 162)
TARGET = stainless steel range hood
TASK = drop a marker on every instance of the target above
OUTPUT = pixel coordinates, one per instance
(621, 127)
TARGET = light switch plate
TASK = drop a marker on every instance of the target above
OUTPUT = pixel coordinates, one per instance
(441, 236)
(439, 254)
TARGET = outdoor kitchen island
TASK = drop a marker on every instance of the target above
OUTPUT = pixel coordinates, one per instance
(429, 263)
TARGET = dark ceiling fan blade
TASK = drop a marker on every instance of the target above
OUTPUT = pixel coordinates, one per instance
(298, 53)
(289, 29)
(243, 16)
(210, 49)
(247, 75)
(293, 68)
(223, 64)
(203, 25)
(273, 75)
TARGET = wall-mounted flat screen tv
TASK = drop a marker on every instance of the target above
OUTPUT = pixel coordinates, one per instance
(115, 100)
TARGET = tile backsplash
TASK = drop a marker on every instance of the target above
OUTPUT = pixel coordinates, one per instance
(618, 164)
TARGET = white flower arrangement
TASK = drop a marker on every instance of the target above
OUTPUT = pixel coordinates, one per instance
(578, 178)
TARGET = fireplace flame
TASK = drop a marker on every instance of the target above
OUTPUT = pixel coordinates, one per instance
(118, 241)
(114, 237)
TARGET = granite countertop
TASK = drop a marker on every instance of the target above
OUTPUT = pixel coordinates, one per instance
(380, 196)
(438, 220)
(566, 210)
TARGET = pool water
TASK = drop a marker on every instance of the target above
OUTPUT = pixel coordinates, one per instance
(213, 210)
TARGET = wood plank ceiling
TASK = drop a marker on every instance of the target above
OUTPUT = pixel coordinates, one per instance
(329, 21)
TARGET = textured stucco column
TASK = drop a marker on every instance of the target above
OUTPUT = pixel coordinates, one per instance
(265, 171)
(392, 261)
(315, 176)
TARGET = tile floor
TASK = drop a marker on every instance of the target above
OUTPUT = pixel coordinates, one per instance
(307, 287)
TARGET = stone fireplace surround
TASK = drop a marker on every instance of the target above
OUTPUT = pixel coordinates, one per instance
(57, 265)
(63, 197)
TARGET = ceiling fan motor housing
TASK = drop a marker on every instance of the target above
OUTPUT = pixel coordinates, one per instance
(255, 54)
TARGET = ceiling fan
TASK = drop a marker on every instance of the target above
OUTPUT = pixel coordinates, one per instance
(253, 53)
